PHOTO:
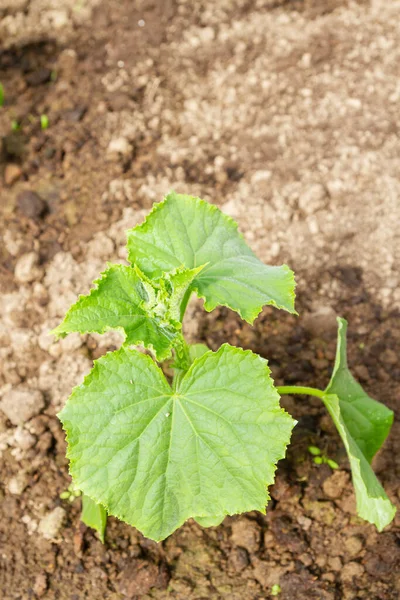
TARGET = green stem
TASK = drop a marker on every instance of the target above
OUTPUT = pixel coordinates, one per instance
(185, 302)
(182, 361)
(298, 389)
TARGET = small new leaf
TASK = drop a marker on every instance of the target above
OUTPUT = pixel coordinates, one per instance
(155, 457)
(124, 301)
(183, 230)
(363, 424)
(94, 515)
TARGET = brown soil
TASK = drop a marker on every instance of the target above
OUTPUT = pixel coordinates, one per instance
(286, 114)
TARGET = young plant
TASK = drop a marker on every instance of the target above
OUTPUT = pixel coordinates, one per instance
(44, 121)
(155, 452)
(320, 458)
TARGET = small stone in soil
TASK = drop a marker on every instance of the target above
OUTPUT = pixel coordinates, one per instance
(23, 439)
(13, 145)
(21, 404)
(335, 484)
(119, 147)
(51, 524)
(246, 534)
(76, 114)
(27, 268)
(31, 204)
(238, 559)
(40, 585)
(11, 174)
(38, 77)
(17, 484)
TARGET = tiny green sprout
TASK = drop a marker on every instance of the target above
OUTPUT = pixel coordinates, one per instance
(332, 463)
(361, 345)
(322, 459)
(53, 75)
(276, 589)
(15, 126)
(71, 493)
(157, 452)
(1, 95)
(314, 450)
(44, 121)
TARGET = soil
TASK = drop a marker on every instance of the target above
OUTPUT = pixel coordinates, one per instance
(284, 113)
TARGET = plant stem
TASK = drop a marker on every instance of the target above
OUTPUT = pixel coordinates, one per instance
(185, 302)
(298, 389)
(182, 361)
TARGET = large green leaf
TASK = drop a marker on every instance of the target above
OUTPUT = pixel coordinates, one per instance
(125, 301)
(94, 515)
(363, 424)
(154, 456)
(183, 230)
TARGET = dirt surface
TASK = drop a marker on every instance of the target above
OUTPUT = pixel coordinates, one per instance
(283, 113)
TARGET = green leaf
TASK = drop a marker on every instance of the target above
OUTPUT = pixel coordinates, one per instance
(197, 351)
(367, 420)
(210, 521)
(94, 515)
(183, 230)
(121, 300)
(155, 457)
(363, 424)
(314, 450)
(178, 282)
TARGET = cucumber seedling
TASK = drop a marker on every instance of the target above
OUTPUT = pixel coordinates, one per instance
(155, 453)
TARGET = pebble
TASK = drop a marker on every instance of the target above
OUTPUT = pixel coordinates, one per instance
(51, 524)
(390, 357)
(76, 114)
(14, 145)
(40, 294)
(38, 77)
(246, 534)
(351, 571)
(20, 404)
(119, 147)
(101, 246)
(40, 585)
(354, 546)
(13, 242)
(27, 268)
(23, 439)
(259, 176)
(12, 173)
(313, 199)
(17, 484)
(31, 204)
(335, 484)
(361, 371)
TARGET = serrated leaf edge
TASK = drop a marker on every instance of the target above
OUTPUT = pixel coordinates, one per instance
(209, 306)
(226, 512)
(160, 356)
